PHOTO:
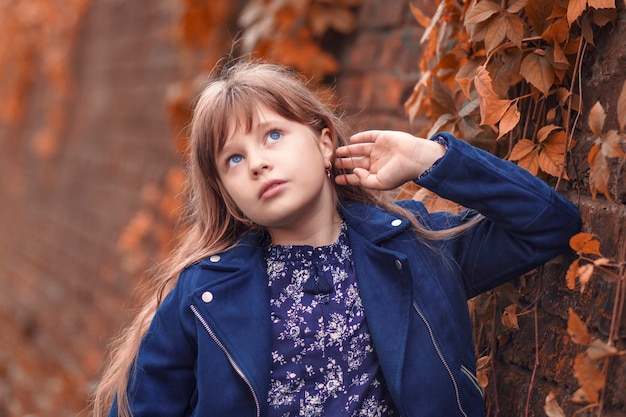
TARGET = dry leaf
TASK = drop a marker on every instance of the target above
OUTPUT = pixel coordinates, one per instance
(515, 6)
(575, 9)
(611, 147)
(602, 261)
(509, 317)
(577, 329)
(558, 33)
(481, 371)
(584, 275)
(601, 4)
(600, 350)
(596, 119)
(492, 108)
(554, 149)
(589, 377)
(621, 108)
(421, 18)
(514, 29)
(530, 162)
(578, 241)
(414, 103)
(537, 12)
(522, 148)
(481, 11)
(571, 275)
(537, 69)
(599, 173)
(552, 407)
(510, 119)
(433, 23)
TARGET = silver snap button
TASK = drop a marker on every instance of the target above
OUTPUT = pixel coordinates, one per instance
(398, 264)
(215, 258)
(207, 296)
(396, 222)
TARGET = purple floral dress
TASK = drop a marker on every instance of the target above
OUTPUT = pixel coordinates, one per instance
(323, 359)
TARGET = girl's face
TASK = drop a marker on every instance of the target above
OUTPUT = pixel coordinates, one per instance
(276, 174)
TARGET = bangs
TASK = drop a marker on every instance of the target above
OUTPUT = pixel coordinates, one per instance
(240, 110)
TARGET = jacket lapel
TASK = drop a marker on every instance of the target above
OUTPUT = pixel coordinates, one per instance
(384, 285)
(235, 306)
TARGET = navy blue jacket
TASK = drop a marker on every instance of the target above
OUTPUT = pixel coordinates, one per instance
(207, 352)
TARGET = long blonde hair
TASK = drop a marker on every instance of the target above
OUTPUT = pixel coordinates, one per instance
(213, 221)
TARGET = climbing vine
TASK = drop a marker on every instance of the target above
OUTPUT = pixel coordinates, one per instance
(506, 75)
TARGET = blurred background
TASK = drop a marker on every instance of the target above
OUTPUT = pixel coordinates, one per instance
(94, 99)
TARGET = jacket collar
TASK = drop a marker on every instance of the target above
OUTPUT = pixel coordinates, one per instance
(373, 223)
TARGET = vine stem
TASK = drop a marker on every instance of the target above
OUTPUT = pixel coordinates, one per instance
(569, 133)
(616, 322)
(536, 365)
(585, 408)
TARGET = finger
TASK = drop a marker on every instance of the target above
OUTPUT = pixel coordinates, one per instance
(365, 136)
(360, 149)
(351, 163)
(347, 179)
(360, 177)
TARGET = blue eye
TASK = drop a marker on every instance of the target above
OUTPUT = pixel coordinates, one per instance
(234, 160)
(274, 135)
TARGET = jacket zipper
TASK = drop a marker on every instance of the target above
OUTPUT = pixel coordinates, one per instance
(441, 358)
(472, 378)
(230, 359)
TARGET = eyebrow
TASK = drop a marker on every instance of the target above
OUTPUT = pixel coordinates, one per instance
(261, 126)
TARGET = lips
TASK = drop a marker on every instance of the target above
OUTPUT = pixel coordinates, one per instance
(270, 188)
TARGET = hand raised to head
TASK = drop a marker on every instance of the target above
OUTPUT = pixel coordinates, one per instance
(384, 159)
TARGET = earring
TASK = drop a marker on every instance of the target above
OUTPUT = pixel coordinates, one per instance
(329, 170)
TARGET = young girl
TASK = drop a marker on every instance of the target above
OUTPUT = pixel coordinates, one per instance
(298, 291)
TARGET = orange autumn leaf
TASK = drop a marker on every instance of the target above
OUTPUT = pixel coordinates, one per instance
(598, 172)
(589, 378)
(600, 350)
(611, 147)
(576, 329)
(585, 243)
(481, 11)
(530, 162)
(584, 275)
(538, 12)
(420, 17)
(510, 119)
(552, 407)
(522, 148)
(509, 317)
(601, 4)
(596, 119)
(571, 275)
(413, 104)
(575, 9)
(482, 365)
(492, 108)
(537, 69)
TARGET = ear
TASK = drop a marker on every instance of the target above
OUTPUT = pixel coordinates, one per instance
(327, 144)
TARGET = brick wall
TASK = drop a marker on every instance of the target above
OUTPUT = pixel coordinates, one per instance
(64, 293)
(66, 287)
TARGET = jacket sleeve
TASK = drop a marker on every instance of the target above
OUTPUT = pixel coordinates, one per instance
(162, 381)
(526, 222)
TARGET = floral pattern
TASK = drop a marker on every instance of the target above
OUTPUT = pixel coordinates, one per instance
(323, 359)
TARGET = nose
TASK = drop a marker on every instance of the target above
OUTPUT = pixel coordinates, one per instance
(258, 163)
